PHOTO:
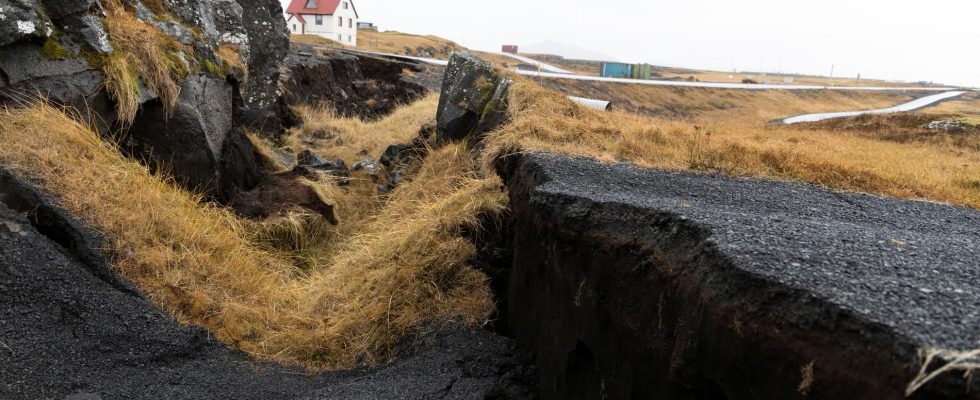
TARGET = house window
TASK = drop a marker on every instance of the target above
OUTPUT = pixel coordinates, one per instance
(294, 27)
(340, 37)
(340, 21)
(319, 20)
(311, 4)
(345, 5)
(350, 22)
(350, 39)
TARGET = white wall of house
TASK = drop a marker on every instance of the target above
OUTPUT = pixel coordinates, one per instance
(341, 27)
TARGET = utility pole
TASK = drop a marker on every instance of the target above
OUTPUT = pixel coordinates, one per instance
(831, 82)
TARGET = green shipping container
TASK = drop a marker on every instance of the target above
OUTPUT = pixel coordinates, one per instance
(642, 71)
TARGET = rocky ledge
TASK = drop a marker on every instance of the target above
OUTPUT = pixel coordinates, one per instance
(630, 283)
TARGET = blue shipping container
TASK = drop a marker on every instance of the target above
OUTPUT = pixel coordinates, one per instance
(616, 70)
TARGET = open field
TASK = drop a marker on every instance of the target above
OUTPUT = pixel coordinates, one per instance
(725, 105)
(591, 67)
(967, 104)
(404, 44)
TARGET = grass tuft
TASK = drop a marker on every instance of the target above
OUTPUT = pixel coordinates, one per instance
(150, 57)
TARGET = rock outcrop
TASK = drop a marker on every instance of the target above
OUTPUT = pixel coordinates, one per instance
(353, 84)
(473, 101)
(644, 284)
(56, 49)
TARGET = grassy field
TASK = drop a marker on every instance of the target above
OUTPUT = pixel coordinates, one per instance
(725, 105)
(968, 104)
(591, 67)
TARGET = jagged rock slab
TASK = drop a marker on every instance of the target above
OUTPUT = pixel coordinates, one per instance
(473, 100)
(632, 283)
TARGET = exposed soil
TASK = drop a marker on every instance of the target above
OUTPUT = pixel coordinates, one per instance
(354, 84)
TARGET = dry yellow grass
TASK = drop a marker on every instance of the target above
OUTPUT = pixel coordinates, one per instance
(544, 120)
(378, 276)
(967, 104)
(143, 53)
(728, 105)
(354, 138)
(405, 43)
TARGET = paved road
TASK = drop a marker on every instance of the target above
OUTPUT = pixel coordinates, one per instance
(909, 265)
(732, 275)
(910, 106)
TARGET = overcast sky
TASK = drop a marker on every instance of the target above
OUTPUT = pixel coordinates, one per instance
(908, 40)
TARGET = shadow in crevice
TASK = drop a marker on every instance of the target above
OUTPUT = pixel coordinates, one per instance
(77, 241)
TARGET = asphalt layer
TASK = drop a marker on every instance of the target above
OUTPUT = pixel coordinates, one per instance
(67, 334)
(910, 266)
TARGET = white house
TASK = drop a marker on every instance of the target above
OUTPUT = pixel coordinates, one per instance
(332, 19)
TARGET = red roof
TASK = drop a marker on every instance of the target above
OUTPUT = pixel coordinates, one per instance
(323, 7)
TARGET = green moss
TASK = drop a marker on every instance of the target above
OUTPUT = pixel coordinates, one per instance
(52, 50)
(215, 69)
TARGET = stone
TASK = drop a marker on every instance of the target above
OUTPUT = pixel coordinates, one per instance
(308, 158)
(473, 100)
(198, 143)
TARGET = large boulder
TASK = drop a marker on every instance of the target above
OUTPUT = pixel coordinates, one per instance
(199, 143)
(473, 101)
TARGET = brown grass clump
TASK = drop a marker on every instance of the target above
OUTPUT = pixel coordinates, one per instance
(143, 54)
(294, 290)
(350, 139)
(231, 56)
(543, 120)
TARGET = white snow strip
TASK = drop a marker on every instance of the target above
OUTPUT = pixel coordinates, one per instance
(910, 106)
(544, 67)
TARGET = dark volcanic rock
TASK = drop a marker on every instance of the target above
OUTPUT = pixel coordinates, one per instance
(268, 44)
(630, 283)
(279, 193)
(308, 158)
(352, 83)
(400, 160)
(199, 143)
(473, 101)
(68, 333)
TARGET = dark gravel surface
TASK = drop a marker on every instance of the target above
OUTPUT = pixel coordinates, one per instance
(66, 334)
(911, 266)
